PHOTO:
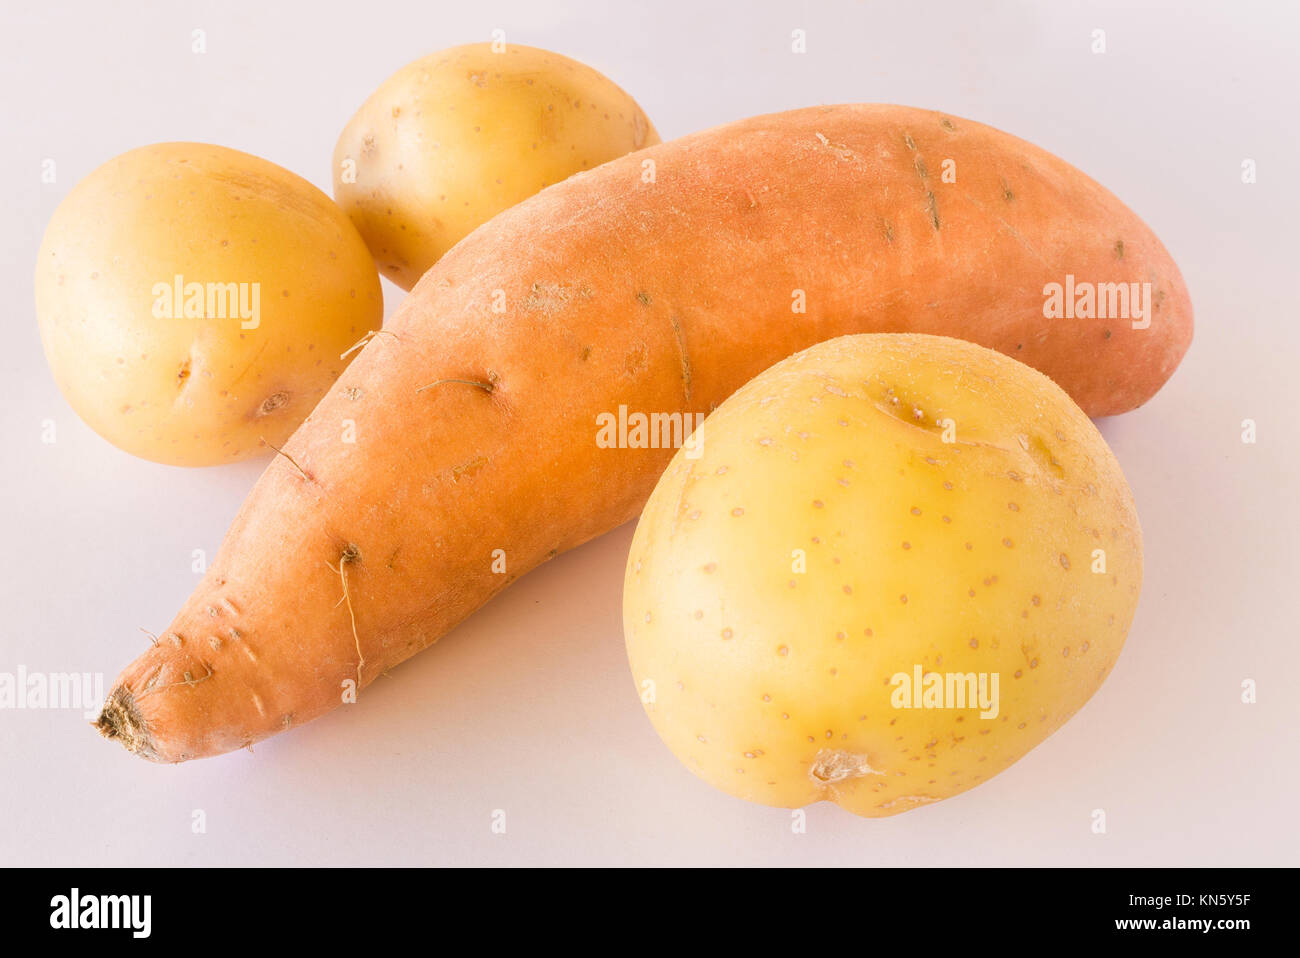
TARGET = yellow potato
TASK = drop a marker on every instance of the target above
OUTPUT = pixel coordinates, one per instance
(194, 300)
(452, 139)
(874, 509)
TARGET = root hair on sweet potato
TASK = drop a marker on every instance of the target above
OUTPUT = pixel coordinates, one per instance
(371, 334)
(280, 452)
(188, 680)
(350, 554)
(485, 386)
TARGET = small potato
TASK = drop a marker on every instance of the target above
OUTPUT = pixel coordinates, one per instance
(194, 301)
(452, 139)
(881, 572)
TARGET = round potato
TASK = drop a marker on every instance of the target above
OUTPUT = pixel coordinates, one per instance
(879, 574)
(452, 139)
(194, 301)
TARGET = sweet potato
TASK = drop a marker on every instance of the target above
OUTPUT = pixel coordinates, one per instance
(662, 281)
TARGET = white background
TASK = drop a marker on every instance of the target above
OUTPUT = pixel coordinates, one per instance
(528, 706)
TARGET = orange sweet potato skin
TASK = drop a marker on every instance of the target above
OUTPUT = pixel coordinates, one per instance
(664, 296)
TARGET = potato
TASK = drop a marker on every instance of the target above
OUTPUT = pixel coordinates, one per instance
(452, 139)
(194, 301)
(873, 510)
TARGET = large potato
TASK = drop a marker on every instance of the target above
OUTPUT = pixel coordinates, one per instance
(874, 508)
(194, 301)
(452, 139)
